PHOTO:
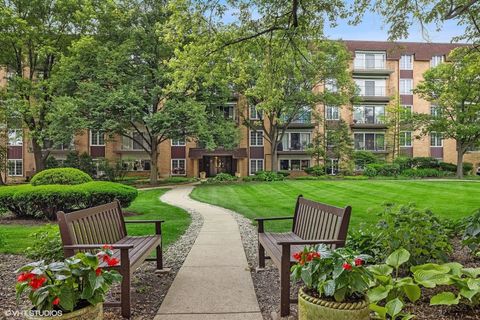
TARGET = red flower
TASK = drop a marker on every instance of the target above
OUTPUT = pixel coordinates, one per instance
(297, 256)
(25, 276)
(347, 266)
(107, 247)
(37, 282)
(106, 258)
(56, 301)
(112, 261)
(358, 262)
(98, 271)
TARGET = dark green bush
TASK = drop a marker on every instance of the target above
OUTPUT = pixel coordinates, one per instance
(46, 245)
(420, 232)
(284, 173)
(382, 169)
(470, 228)
(423, 173)
(268, 176)
(370, 171)
(67, 176)
(222, 177)
(316, 171)
(45, 201)
(51, 162)
(404, 163)
(449, 167)
(467, 167)
(82, 162)
(362, 158)
(425, 163)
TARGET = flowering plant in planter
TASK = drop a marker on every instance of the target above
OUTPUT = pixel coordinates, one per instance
(77, 282)
(337, 275)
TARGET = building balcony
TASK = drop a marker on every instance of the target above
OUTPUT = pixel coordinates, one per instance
(368, 123)
(367, 66)
(374, 93)
(292, 149)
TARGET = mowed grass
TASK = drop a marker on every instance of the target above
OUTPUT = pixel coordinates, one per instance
(447, 199)
(147, 206)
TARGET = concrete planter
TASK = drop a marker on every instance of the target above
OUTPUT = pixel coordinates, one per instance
(88, 313)
(310, 308)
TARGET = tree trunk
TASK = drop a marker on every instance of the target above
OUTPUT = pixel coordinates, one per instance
(459, 161)
(274, 156)
(38, 156)
(153, 160)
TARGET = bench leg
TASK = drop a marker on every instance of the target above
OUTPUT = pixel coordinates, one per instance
(159, 257)
(261, 256)
(285, 282)
(125, 286)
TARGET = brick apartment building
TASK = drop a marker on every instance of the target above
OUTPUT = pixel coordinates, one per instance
(381, 70)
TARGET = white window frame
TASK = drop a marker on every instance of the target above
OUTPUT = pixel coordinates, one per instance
(254, 114)
(178, 142)
(184, 166)
(403, 88)
(360, 60)
(15, 173)
(96, 134)
(406, 62)
(257, 167)
(377, 120)
(256, 132)
(288, 139)
(405, 133)
(375, 139)
(330, 115)
(436, 136)
(436, 60)
(13, 137)
(296, 159)
(434, 111)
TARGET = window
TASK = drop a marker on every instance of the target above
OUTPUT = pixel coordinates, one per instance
(15, 167)
(436, 139)
(178, 142)
(295, 141)
(305, 116)
(369, 141)
(332, 113)
(406, 86)
(368, 114)
(178, 167)
(136, 165)
(97, 138)
(332, 166)
(369, 60)
(134, 141)
(254, 113)
(434, 111)
(405, 138)
(331, 85)
(229, 111)
(372, 88)
(436, 60)
(256, 165)
(15, 137)
(406, 62)
(294, 164)
(256, 138)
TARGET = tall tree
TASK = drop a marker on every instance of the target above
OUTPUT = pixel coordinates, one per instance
(33, 36)
(454, 88)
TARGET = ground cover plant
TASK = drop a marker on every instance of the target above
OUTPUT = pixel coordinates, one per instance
(366, 197)
(147, 206)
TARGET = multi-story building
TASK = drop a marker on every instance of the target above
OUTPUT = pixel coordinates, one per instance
(382, 71)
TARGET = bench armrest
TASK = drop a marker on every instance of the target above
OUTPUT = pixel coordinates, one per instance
(158, 224)
(144, 221)
(306, 242)
(261, 220)
(272, 218)
(97, 246)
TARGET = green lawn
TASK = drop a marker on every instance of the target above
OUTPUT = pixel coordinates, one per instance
(147, 206)
(449, 199)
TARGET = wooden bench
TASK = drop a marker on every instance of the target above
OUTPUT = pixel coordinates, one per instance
(91, 228)
(313, 223)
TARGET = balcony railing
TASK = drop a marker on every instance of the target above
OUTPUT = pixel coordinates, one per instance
(369, 64)
(372, 91)
(292, 147)
(360, 147)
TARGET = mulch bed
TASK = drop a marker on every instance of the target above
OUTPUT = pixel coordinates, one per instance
(267, 283)
(148, 289)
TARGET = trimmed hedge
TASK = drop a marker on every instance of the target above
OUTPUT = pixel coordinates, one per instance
(382, 169)
(423, 173)
(45, 201)
(64, 176)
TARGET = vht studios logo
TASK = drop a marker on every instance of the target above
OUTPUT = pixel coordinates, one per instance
(12, 314)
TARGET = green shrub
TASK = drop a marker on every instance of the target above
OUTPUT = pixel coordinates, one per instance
(425, 163)
(67, 176)
(423, 173)
(247, 178)
(363, 158)
(470, 227)
(383, 169)
(404, 163)
(268, 176)
(82, 162)
(449, 167)
(111, 171)
(51, 162)
(284, 173)
(46, 245)
(467, 167)
(316, 171)
(423, 234)
(45, 201)
(221, 178)
(370, 171)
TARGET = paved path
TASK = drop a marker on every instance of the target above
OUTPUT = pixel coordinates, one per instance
(214, 282)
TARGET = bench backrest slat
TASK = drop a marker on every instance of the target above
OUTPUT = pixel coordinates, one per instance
(319, 221)
(103, 224)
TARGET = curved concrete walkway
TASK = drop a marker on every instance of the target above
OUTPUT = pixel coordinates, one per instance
(214, 282)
